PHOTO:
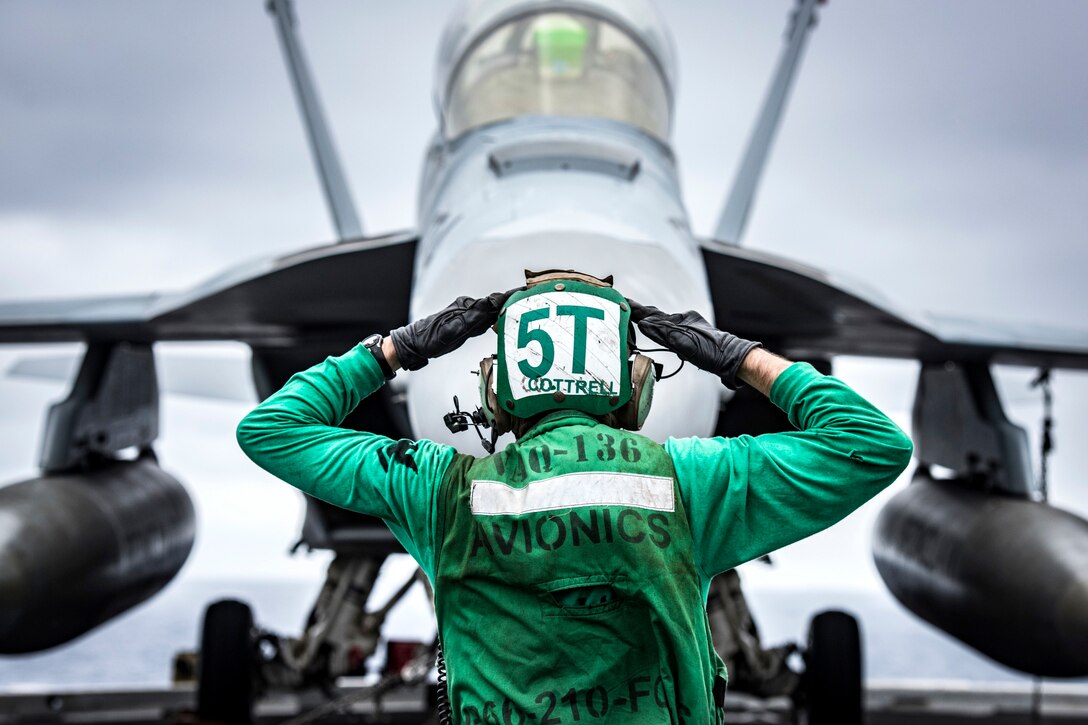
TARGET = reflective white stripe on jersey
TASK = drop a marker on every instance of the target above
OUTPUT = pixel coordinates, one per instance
(574, 490)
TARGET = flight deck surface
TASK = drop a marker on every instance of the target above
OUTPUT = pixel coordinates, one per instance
(899, 702)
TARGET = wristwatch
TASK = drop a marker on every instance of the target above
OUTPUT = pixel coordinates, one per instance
(374, 344)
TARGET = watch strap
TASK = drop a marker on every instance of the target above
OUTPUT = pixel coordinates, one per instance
(379, 355)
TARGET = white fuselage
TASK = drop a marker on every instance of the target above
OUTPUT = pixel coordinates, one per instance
(552, 153)
(557, 205)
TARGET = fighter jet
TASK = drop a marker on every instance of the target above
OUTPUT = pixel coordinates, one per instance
(552, 150)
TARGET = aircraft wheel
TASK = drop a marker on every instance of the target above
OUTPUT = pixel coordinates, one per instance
(833, 670)
(228, 663)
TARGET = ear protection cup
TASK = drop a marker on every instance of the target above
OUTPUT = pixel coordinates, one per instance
(632, 414)
(501, 421)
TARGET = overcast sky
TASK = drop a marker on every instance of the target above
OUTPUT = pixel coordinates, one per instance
(936, 151)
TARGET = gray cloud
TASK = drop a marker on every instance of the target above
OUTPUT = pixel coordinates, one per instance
(943, 140)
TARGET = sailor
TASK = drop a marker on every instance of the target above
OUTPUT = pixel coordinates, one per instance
(571, 568)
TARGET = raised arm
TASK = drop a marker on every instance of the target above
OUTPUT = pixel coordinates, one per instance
(747, 496)
(295, 434)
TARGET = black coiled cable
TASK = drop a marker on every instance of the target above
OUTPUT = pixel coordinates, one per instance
(445, 713)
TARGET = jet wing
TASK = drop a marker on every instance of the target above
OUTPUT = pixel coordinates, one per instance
(806, 313)
(344, 289)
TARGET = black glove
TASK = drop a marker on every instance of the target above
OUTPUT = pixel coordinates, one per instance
(695, 340)
(446, 330)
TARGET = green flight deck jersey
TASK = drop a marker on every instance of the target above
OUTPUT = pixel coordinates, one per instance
(571, 568)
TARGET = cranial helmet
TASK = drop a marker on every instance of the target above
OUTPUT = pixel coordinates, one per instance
(564, 345)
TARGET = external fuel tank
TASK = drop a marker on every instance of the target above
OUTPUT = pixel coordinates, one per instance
(77, 549)
(1003, 574)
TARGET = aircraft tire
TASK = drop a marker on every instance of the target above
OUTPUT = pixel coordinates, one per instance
(833, 670)
(228, 664)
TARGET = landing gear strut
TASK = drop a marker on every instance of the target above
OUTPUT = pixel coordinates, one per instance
(828, 691)
(238, 662)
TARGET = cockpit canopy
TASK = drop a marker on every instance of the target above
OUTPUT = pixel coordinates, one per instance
(501, 59)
